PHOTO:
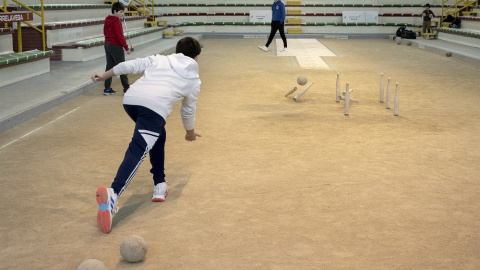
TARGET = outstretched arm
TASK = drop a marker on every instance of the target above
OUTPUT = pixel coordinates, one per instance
(129, 67)
(102, 76)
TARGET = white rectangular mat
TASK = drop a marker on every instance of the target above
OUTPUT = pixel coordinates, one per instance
(308, 52)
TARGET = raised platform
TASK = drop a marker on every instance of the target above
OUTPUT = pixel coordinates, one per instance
(92, 48)
(15, 67)
(460, 36)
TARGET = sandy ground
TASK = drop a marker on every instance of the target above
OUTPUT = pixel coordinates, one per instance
(273, 183)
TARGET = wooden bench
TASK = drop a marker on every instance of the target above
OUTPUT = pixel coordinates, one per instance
(167, 34)
(131, 13)
(294, 3)
(294, 21)
(429, 35)
(294, 11)
(150, 23)
(163, 22)
(294, 30)
(469, 13)
(155, 23)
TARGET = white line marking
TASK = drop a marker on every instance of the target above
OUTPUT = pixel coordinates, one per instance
(35, 130)
(8, 143)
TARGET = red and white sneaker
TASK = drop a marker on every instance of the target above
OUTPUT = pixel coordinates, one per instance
(107, 205)
(160, 191)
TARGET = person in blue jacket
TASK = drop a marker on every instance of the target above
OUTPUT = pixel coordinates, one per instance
(278, 23)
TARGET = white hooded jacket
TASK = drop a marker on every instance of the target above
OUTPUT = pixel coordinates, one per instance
(166, 80)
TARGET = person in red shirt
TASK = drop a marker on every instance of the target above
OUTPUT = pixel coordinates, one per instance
(114, 44)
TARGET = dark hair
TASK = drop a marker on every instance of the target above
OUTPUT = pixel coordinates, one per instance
(117, 7)
(189, 47)
(427, 5)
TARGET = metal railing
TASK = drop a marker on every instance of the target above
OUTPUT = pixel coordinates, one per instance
(151, 16)
(42, 31)
(140, 8)
(454, 7)
(4, 9)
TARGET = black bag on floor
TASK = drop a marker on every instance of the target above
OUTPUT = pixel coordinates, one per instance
(409, 34)
(449, 18)
(400, 31)
(456, 23)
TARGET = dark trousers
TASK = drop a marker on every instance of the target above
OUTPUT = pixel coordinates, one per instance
(426, 26)
(115, 56)
(277, 26)
(149, 137)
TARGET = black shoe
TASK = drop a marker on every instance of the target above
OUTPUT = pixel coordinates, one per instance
(107, 92)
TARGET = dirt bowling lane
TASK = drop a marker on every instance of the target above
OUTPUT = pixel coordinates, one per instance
(273, 183)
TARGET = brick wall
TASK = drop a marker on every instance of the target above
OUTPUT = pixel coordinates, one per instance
(56, 55)
(31, 39)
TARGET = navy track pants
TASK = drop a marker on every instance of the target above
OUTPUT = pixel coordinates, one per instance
(149, 137)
